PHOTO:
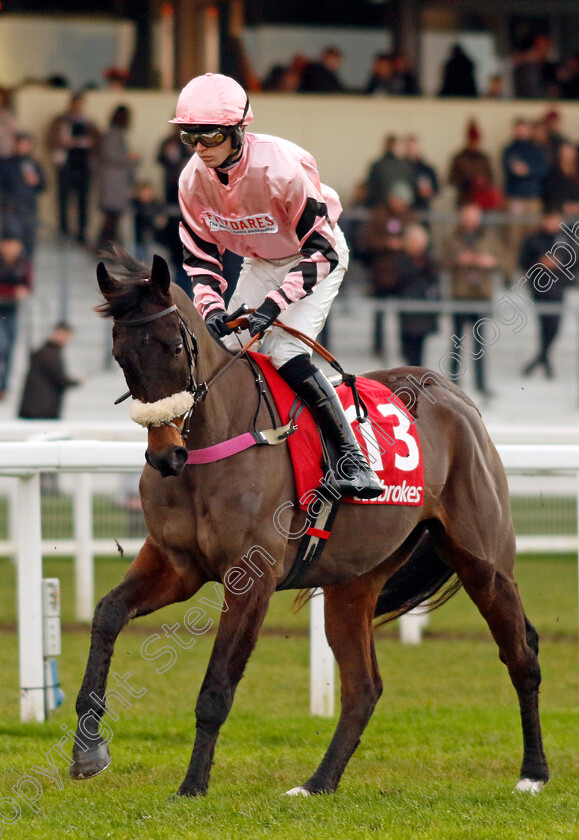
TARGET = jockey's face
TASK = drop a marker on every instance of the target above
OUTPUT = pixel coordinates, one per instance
(214, 156)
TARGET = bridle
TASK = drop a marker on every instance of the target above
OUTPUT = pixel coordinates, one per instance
(198, 390)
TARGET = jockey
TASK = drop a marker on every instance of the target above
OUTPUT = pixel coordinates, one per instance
(261, 198)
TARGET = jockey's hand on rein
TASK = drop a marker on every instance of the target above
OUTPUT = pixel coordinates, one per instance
(216, 323)
(263, 317)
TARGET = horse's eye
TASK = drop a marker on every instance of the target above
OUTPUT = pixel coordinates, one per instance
(178, 349)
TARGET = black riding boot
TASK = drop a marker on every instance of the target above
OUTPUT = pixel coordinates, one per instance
(350, 469)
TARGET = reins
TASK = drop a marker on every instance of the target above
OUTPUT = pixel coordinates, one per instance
(348, 379)
(239, 319)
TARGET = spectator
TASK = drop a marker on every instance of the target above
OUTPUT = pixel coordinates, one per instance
(472, 256)
(553, 136)
(172, 156)
(380, 81)
(21, 181)
(496, 88)
(417, 277)
(276, 79)
(117, 165)
(568, 77)
(383, 240)
(15, 286)
(561, 187)
(72, 140)
(539, 137)
(425, 177)
(388, 170)
(525, 167)
(403, 82)
(8, 124)
(353, 222)
(470, 167)
(116, 78)
(534, 74)
(384, 237)
(294, 72)
(322, 76)
(46, 379)
(533, 252)
(458, 74)
(148, 213)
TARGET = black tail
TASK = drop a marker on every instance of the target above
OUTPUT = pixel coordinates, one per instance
(419, 579)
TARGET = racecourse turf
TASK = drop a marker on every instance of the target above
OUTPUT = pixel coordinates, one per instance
(438, 761)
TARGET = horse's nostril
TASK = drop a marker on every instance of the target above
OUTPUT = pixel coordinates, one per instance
(171, 462)
(179, 458)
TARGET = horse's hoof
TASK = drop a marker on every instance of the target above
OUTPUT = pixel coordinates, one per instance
(188, 792)
(298, 791)
(529, 786)
(87, 764)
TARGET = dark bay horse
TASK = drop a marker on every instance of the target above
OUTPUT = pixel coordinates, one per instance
(202, 519)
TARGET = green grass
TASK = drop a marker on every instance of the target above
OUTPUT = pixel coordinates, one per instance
(438, 761)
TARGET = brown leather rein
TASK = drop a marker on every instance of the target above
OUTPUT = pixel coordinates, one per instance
(201, 389)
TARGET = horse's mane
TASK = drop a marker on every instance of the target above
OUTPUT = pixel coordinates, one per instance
(133, 277)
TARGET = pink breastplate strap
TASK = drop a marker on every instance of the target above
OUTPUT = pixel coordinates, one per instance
(219, 451)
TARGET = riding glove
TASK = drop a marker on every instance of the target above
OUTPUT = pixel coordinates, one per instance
(216, 323)
(263, 317)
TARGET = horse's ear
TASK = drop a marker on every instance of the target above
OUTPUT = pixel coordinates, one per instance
(107, 284)
(160, 276)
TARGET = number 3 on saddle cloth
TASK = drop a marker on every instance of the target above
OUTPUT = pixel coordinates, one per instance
(388, 439)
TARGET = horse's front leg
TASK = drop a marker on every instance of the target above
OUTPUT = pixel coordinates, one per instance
(236, 638)
(150, 583)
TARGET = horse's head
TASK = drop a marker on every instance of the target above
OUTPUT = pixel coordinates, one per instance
(157, 350)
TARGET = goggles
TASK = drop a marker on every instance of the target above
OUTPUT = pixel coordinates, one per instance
(207, 138)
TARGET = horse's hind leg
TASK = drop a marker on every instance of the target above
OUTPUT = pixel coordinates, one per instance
(349, 613)
(496, 595)
(150, 583)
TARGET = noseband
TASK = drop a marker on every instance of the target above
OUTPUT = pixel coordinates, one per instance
(163, 411)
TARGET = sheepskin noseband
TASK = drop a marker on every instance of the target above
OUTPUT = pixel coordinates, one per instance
(161, 411)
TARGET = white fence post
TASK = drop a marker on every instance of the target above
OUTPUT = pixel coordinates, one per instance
(29, 553)
(84, 565)
(411, 625)
(322, 666)
(13, 517)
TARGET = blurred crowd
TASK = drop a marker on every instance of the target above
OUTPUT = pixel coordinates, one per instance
(388, 224)
(85, 160)
(505, 222)
(530, 72)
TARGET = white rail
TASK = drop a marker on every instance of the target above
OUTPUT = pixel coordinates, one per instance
(26, 460)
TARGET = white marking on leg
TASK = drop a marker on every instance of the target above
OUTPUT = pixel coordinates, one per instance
(529, 786)
(298, 791)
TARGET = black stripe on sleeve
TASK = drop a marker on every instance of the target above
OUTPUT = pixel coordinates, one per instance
(194, 262)
(310, 213)
(206, 280)
(281, 292)
(208, 248)
(316, 243)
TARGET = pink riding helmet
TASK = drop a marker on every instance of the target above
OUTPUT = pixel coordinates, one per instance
(213, 99)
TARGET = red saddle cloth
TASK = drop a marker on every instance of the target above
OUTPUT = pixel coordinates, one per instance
(389, 440)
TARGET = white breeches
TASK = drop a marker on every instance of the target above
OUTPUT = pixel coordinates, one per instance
(259, 276)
